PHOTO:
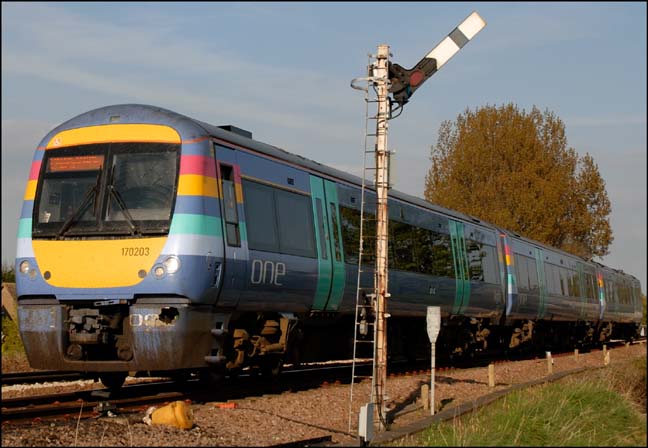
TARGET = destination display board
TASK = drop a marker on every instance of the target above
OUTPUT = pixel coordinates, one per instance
(75, 163)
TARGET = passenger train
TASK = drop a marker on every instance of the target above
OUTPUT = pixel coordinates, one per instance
(153, 242)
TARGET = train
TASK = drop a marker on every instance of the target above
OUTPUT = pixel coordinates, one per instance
(153, 242)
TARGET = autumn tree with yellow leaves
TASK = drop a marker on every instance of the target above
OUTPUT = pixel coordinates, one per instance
(515, 170)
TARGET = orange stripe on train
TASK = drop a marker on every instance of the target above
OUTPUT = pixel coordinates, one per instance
(114, 133)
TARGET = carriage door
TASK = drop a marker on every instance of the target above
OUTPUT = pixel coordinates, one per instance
(462, 275)
(234, 264)
(542, 283)
(330, 259)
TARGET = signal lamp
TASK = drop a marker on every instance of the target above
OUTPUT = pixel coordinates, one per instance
(416, 78)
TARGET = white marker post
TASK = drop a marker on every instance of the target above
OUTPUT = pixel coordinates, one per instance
(433, 327)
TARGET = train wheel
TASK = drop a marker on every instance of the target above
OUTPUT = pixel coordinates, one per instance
(233, 374)
(271, 368)
(181, 377)
(113, 380)
(209, 377)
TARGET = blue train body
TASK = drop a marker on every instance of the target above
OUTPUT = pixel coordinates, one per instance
(248, 256)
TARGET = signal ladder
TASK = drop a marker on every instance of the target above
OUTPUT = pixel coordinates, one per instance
(365, 309)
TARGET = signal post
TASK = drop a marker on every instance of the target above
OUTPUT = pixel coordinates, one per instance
(401, 83)
(382, 222)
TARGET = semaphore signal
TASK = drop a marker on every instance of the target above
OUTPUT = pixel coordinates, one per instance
(404, 82)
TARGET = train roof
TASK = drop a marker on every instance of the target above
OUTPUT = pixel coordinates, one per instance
(282, 154)
(143, 113)
(274, 151)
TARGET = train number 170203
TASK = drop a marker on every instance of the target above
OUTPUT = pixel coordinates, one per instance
(135, 251)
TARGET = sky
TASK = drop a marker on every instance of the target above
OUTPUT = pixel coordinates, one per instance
(283, 72)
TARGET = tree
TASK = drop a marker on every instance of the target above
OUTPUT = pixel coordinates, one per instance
(8, 273)
(515, 170)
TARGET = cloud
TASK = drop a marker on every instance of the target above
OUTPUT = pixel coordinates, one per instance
(91, 54)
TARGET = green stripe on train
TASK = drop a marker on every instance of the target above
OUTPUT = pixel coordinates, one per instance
(337, 251)
(196, 225)
(25, 228)
(323, 253)
(460, 261)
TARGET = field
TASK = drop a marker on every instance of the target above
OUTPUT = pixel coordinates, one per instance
(13, 353)
(603, 407)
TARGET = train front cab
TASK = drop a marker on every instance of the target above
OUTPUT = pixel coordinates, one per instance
(117, 286)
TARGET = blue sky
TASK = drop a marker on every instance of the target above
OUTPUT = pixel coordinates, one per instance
(282, 71)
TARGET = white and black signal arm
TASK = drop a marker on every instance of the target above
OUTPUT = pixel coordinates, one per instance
(404, 82)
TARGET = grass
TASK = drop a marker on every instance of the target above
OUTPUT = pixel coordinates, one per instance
(12, 344)
(600, 408)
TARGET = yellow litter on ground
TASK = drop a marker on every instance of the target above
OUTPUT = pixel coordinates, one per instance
(178, 414)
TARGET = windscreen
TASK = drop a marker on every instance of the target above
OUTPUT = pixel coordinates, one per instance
(106, 189)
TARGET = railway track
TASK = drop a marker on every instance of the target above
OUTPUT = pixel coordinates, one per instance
(9, 379)
(134, 398)
(56, 376)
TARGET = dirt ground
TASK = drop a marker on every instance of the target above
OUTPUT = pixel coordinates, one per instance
(272, 419)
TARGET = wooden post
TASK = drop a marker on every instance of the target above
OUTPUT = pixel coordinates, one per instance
(576, 354)
(425, 396)
(491, 375)
(549, 363)
(606, 358)
(9, 301)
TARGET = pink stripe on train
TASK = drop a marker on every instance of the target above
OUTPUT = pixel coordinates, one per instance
(197, 165)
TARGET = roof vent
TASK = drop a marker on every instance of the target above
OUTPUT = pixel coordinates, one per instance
(235, 130)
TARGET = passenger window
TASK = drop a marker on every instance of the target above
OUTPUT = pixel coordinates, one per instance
(563, 281)
(522, 274)
(230, 207)
(295, 224)
(334, 230)
(590, 286)
(475, 257)
(553, 279)
(576, 283)
(351, 233)
(260, 217)
(322, 229)
(442, 255)
(532, 269)
(490, 265)
(404, 246)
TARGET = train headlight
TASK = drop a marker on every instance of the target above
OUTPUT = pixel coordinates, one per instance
(24, 267)
(158, 271)
(172, 264)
